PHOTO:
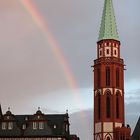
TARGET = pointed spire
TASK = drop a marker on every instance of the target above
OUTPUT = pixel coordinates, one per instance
(108, 29)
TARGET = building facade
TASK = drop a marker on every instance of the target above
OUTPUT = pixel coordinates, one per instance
(38, 126)
(109, 115)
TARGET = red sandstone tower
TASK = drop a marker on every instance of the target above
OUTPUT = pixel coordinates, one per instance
(109, 118)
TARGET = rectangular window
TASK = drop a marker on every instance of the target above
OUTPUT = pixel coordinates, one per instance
(3, 125)
(24, 126)
(107, 51)
(10, 125)
(34, 125)
(41, 125)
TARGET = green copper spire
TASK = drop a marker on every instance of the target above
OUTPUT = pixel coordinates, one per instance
(108, 29)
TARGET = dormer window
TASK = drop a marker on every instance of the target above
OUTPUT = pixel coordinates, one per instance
(34, 125)
(41, 125)
(38, 117)
(54, 126)
(10, 125)
(3, 125)
(66, 128)
(24, 126)
(8, 117)
(26, 118)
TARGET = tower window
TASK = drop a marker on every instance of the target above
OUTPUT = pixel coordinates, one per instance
(107, 51)
(108, 138)
(98, 77)
(108, 105)
(115, 52)
(117, 77)
(117, 106)
(107, 76)
(100, 53)
(99, 106)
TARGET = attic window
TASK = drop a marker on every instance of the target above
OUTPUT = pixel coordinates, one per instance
(10, 125)
(26, 118)
(54, 126)
(3, 125)
(24, 126)
(41, 125)
(38, 117)
(8, 117)
(34, 125)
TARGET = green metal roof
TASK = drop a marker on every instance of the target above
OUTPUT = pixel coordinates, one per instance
(108, 29)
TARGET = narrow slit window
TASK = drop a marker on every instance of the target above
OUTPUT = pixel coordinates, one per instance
(107, 76)
(98, 77)
(108, 106)
(117, 78)
(99, 106)
(117, 106)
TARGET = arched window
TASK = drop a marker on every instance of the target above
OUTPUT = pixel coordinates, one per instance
(99, 106)
(117, 106)
(117, 77)
(108, 105)
(107, 76)
(99, 77)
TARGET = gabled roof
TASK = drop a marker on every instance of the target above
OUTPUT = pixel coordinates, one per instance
(108, 29)
(136, 132)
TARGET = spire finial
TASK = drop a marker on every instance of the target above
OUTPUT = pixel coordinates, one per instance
(8, 108)
(108, 29)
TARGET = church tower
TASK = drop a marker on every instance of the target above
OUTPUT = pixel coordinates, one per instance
(109, 118)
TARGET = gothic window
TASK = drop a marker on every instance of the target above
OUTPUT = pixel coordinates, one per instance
(117, 77)
(107, 76)
(99, 77)
(108, 138)
(117, 106)
(108, 105)
(99, 106)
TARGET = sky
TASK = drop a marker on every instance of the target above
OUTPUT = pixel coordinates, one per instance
(47, 48)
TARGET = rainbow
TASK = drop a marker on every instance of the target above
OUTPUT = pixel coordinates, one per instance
(58, 53)
(35, 14)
